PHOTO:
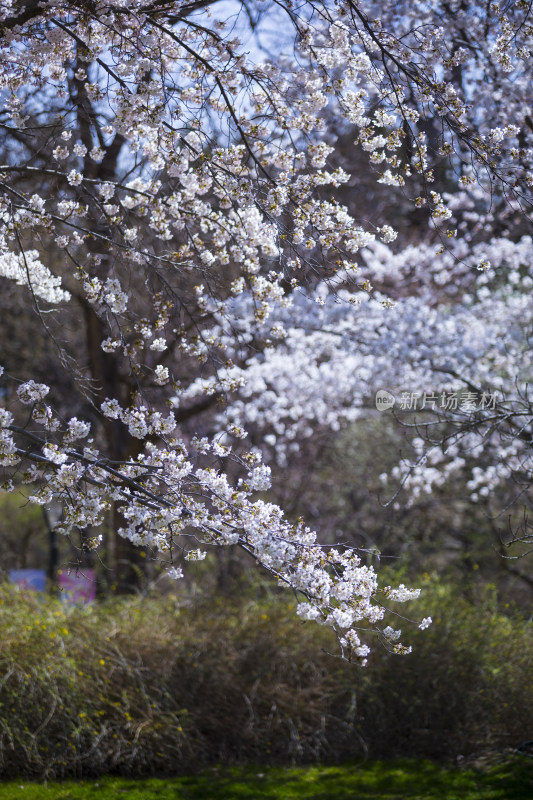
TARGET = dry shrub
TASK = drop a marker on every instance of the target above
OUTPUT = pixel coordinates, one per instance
(149, 685)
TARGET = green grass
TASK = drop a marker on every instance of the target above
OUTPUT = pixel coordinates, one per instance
(395, 780)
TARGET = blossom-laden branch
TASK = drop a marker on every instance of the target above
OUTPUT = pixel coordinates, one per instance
(169, 503)
(170, 198)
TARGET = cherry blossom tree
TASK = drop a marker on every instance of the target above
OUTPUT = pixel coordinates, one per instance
(173, 211)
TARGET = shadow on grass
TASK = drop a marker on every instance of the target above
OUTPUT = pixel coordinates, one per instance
(416, 780)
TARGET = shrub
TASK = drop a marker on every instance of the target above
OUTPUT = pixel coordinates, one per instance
(144, 685)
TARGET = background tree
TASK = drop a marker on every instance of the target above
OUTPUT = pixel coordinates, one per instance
(171, 208)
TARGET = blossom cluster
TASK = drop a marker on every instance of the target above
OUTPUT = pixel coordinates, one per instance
(184, 187)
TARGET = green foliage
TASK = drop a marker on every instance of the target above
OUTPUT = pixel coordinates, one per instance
(164, 686)
(418, 780)
(23, 540)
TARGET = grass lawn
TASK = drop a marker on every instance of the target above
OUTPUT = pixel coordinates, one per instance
(416, 780)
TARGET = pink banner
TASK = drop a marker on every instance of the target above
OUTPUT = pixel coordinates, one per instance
(77, 587)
